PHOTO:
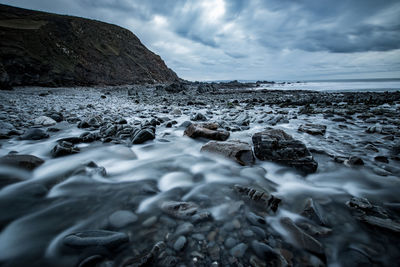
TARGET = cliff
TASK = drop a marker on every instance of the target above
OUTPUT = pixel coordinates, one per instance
(38, 48)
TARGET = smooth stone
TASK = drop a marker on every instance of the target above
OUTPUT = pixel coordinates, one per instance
(230, 242)
(122, 218)
(262, 250)
(180, 243)
(28, 162)
(34, 134)
(198, 131)
(247, 233)
(238, 250)
(143, 136)
(255, 219)
(96, 238)
(184, 228)
(44, 121)
(199, 237)
(149, 221)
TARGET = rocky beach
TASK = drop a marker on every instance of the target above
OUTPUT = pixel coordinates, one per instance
(198, 174)
(108, 158)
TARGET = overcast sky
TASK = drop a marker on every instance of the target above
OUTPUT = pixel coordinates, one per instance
(255, 39)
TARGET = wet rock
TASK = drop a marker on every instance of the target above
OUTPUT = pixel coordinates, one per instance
(277, 146)
(143, 135)
(263, 251)
(277, 119)
(184, 229)
(268, 201)
(238, 151)
(198, 131)
(179, 210)
(64, 148)
(94, 122)
(205, 88)
(44, 121)
(239, 250)
(122, 218)
(198, 117)
(175, 87)
(180, 243)
(313, 129)
(28, 162)
(57, 116)
(300, 238)
(382, 159)
(96, 238)
(312, 211)
(89, 137)
(7, 130)
(230, 242)
(373, 215)
(149, 221)
(255, 219)
(34, 134)
(355, 160)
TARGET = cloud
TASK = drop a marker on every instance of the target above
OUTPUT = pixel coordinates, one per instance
(255, 39)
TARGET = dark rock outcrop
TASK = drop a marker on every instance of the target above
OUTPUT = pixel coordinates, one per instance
(27, 162)
(38, 48)
(277, 146)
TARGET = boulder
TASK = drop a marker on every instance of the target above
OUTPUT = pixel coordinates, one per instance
(236, 150)
(313, 129)
(6, 130)
(277, 146)
(64, 148)
(196, 131)
(143, 135)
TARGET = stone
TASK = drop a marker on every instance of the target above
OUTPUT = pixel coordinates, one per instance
(262, 250)
(184, 228)
(180, 243)
(300, 238)
(27, 162)
(96, 238)
(143, 136)
(267, 200)
(230, 242)
(64, 149)
(179, 210)
(197, 131)
(355, 160)
(175, 87)
(255, 219)
(239, 250)
(277, 146)
(149, 221)
(313, 129)
(7, 130)
(235, 150)
(34, 134)
(382, 159)
(122, 218)
(198, 117)
(44, 121)
(312, 211)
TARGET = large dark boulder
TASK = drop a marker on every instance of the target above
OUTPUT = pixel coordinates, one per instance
(38, 48)
(27, 162)
(277, 146)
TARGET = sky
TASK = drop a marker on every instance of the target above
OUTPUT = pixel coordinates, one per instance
(255, 39)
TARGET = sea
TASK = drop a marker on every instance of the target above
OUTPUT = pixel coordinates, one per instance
(359, 85)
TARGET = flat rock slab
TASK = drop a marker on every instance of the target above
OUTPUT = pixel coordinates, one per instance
(277, 146)
(313, 129)
(199, 131)
(27, 162)
(238, 151)
(102, 238)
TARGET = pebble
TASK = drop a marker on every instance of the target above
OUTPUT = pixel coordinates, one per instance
(180, 243)
(238, 250)
(149, 221)
(230, 242)
(122, 218)
(44, 121)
